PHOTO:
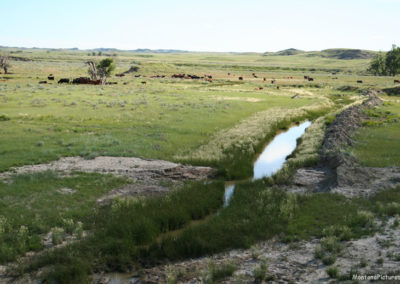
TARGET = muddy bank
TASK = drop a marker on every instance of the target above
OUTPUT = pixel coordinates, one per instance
(340, 172)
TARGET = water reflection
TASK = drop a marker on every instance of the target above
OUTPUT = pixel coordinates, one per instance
(273, 156)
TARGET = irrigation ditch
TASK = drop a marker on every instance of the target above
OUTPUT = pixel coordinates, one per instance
(334, 173)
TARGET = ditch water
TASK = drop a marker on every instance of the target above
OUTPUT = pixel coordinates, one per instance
(266, 164)
(272, 157)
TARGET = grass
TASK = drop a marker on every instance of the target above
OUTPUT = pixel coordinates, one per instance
(33, 205)
(217, 273)
(378, 142)
(221, 123)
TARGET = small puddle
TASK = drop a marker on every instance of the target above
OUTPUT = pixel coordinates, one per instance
(272, 157)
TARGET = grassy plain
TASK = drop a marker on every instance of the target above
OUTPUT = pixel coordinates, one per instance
(222, 123)
(378, 143)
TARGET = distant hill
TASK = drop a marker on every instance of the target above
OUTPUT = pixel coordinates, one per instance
(285, 52)
(289, 51)
(337, 53)
(140, 50)
(344, 53)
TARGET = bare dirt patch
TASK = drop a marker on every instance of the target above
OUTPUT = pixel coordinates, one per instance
(146, 174)
(252, 100)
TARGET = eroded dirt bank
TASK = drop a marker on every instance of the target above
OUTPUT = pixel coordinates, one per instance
(340, 172)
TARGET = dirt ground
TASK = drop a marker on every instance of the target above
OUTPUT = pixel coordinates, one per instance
(287, 263)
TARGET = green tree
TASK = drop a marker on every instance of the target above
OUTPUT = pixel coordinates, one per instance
(102, 70)
(393, 61)
(378, 64)
(106, 67)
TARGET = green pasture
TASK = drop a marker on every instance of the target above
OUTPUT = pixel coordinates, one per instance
(171, 119)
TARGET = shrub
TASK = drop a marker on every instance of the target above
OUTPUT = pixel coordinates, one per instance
(332, 271)
(4, 117)
(260, 272)
(217, 273)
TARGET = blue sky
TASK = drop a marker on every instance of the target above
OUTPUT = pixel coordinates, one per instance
(205, 25)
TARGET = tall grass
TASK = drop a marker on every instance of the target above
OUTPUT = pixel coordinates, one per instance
(123, 229)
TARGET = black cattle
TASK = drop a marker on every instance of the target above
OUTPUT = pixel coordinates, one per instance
(310, 79)
(50, 77)
(273, 81)
(43, 82)
(241, 78)
(397, 81)
(64, 80)
(81, 80)
(359, 81)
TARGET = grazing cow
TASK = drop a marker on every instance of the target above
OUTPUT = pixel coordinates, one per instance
(137, 76)
(241, 78)
(209, 77)
(310, 79)
(50, 77)
(144, 82)
(110, 83)
(359, 81)
(264, 79)
(43, 82)
(209, 80)
(273, 81)
(64, 80)
(126, 83)
(277, 87)
(259, 88)
(306, 77)
(397, 81)
(81, 80)
(120, 75)
(229, 74)
(178, 76)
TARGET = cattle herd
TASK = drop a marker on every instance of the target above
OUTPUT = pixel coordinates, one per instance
(209, 78)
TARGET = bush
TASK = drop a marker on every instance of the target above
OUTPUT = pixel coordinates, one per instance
(332, 271)
(4, 117)
(217, 273)
(260, 272)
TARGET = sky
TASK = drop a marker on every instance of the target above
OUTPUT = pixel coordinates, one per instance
(205, 25)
